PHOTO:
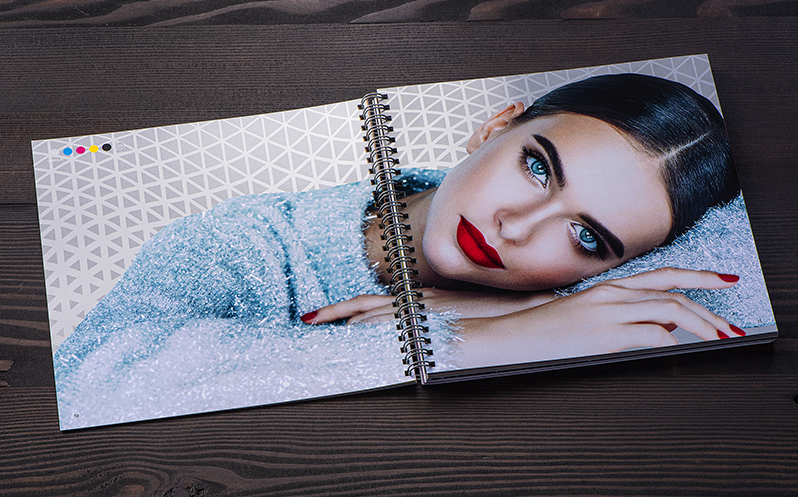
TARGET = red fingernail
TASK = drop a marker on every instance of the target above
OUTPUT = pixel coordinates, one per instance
(722, 335)
(729, 278)
(307, 318)
(737, 330)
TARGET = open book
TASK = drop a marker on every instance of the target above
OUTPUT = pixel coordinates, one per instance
(190, 268)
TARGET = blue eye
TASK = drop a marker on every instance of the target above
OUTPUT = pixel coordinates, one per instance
(538, 169)
(587, 238)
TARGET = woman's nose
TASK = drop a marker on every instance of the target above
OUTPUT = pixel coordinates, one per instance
(518, 225)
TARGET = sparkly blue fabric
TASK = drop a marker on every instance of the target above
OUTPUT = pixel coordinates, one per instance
(207, 316)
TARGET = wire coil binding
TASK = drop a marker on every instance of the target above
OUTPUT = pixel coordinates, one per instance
(387, 198)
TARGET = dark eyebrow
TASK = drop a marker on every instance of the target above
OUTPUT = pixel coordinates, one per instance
(559, 176)
(613, 241)
(554, 157)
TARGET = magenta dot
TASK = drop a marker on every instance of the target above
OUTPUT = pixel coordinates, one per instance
(80, 150)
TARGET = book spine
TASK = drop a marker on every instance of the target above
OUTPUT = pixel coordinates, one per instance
(395, 235)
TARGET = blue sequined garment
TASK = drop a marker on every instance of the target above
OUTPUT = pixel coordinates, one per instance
(207, 316)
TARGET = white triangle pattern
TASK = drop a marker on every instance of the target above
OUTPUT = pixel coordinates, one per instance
(434, 121)
(97, 209)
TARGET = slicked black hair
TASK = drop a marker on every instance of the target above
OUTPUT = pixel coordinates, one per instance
(668, 120)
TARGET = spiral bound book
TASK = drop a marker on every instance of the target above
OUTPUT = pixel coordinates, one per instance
(421, 234)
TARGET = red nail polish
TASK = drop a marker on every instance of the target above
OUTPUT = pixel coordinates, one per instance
(307, 318)
(737, 330)
(722, 335)
(729, 278)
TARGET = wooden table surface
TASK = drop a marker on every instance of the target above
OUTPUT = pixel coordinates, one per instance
(717, 423)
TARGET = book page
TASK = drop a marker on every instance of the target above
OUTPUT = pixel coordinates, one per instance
(186, 256)
(434, 124)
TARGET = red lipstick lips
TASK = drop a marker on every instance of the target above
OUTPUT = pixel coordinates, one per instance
(473, 245)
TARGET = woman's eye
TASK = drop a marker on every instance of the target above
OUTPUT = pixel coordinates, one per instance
(538, 169)
(587, 238)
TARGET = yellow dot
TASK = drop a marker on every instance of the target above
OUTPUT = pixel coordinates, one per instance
(94, 148)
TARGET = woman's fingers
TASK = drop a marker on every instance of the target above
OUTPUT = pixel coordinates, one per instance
(669, 278)
(655, 284)
(670, 311)
(382, 315)
(679, 301)
(665, 309)
(355, 307)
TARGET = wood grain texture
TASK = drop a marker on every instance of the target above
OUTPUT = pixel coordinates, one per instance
(40, 13)
(618, 436)
(717, 423)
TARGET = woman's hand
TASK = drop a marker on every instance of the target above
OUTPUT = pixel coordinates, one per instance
(377, 308)
(615, 315)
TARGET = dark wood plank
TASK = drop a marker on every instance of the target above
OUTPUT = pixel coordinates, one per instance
(622, 436)
(63, 83)
(714, 423)
(220, 12)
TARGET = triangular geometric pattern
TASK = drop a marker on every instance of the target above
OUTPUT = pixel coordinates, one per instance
(98, 207)
(433, 122)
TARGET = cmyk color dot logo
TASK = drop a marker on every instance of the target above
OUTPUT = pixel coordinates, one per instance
(82, 150)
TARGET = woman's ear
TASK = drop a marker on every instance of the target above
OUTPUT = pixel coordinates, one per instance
(492, 125)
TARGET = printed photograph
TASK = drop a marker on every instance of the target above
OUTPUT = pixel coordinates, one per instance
(240, 262)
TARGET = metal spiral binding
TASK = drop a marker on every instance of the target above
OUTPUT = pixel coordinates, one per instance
(395, 234)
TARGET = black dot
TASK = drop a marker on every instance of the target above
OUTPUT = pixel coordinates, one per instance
(107, 147)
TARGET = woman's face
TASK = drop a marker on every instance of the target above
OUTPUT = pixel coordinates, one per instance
(544, 204)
